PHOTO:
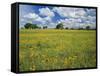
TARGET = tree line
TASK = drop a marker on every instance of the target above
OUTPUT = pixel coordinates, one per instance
(33, 26)
(58, 26)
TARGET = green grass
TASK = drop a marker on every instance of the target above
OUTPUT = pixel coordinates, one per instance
(56, 49)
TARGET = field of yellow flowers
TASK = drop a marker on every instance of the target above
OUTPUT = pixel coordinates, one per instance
(51, 49)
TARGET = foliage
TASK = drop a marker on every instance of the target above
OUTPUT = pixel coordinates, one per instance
(87, 27)
(66, 28)
(81, 28)
(56, 49)
(45, 27)
(30, 26)
(60, 26)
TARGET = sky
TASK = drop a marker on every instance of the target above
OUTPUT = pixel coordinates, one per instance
(50, 16)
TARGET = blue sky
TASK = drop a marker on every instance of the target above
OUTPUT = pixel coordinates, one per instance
(51, 15)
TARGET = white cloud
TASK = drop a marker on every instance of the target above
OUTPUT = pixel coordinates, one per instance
(47, 19)
(72, 17)
(69, 12)
(80, 12)
(22, 19)
(91, 18)
(77, 23)
(66, 22)
(46, 12)
(76, 17)
(31, 16)
(70, 23)
(91, 12)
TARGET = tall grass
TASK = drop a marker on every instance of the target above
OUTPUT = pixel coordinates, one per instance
(56, 49)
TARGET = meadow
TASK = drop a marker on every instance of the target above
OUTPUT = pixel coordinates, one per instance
(51, 49)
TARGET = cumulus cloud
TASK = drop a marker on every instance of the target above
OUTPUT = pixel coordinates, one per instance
(31, 16)
(76, 17)
(71, 17)
(70, 23)
(76, 23)
(48, 19)
(91, 12)
(69, 12)
(46, 12)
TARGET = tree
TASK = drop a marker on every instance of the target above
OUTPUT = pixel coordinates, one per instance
(39, 27)
(87, 27)
(66, 28)
(72, 28)
(34, 26)
(59, 26)
(45, 27)
(80, 28)
(27, 25)
(30, 26)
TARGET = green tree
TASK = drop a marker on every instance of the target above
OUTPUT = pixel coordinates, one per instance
(60, 26)
(66, 28)
(45, 27)
(87, 27)
(34, 26)
(30, 26)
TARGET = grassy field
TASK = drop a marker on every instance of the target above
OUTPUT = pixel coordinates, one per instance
(56, 49)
